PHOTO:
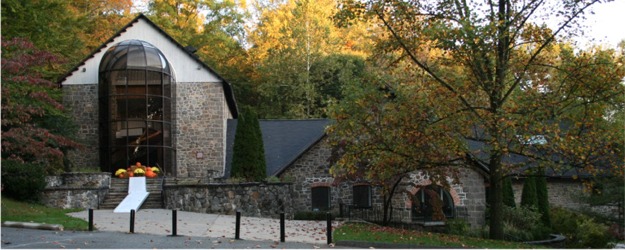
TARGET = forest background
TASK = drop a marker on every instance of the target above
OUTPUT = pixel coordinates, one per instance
(407, 82)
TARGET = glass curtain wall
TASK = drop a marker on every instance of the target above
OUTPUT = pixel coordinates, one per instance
(135, 91)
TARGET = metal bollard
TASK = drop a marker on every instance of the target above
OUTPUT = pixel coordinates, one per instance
(174, 222)
(90, 219)
(329, 228)
(132, 221)
(282, 227)
(237, 227)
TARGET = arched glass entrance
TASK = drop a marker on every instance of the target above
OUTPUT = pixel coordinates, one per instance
(135, 90)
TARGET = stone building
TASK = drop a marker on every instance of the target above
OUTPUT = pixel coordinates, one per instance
(144, 97)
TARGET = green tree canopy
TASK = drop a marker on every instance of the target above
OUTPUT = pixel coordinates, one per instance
(499, 79)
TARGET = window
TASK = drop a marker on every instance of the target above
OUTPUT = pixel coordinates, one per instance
(135, 88)
(320, 198)
(432, 203)
(362, 196)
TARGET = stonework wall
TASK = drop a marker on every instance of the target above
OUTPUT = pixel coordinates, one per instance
(562, 193)
(82, 103)
(312, 168)
(251, 199)
(200, 129)
(76, 190)
(474, 191)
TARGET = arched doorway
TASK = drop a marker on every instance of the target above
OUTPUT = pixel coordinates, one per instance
(135, 95)
(432, 203)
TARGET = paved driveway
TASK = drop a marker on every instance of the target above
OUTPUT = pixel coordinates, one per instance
(159, 222)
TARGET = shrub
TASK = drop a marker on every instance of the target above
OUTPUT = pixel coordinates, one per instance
(457, 226)
(22, 181)
(272, 179)
(311, 215)
(593, 235)
(580, 230)
(523, 224)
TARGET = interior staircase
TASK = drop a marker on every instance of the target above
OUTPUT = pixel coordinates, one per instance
(119, 191)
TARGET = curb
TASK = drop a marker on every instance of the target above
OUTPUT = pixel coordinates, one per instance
(32, 225)
(383, 245)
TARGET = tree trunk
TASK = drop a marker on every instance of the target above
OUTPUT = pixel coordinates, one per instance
(388, 200)
(496, 198)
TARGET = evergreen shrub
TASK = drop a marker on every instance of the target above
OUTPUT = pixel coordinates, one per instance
(580, 230)
(22, 181)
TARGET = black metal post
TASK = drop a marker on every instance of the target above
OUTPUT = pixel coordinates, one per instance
(329, 228)
(282, 227)
(90, 219)
(174, 221)
(132, 221)
(341, 209)
(237, 227)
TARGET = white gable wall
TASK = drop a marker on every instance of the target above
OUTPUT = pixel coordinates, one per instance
(185, 67)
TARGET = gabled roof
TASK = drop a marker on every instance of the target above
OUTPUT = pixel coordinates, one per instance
(284, 141)
(479, 152)
(228, 92)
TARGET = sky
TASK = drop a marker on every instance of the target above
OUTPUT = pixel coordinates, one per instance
(607, 25)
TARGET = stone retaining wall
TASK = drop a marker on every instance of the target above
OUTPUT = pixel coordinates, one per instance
(251, 199)
(76, 190)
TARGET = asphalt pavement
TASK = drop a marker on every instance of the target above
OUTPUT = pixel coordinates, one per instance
(153, 228)
(23, 238)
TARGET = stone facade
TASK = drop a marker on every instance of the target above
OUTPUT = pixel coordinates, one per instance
(76, 190)
(251, 199)
(82, 104)
(312, 169)
(200, 129)
(566, 193)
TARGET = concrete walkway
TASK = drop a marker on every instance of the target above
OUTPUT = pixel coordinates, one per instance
(159, 222)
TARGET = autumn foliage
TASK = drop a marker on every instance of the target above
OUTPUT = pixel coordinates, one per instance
(34, 127)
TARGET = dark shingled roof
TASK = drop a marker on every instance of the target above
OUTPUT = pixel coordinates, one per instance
(284, 141)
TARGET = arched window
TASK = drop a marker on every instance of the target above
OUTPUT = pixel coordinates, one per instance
(135, 95)
(432, 202)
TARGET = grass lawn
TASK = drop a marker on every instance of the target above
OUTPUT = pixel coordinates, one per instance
(27, 212)
(375, 233)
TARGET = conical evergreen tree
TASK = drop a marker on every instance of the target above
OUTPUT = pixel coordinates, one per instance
(248, 159)
(542, 198)
(508, 192)
(528, 197)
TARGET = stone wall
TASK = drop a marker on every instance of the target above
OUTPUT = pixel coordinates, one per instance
(200, 129)
(472, 183)
(566, 193)
(82, 103)
(251, 199)
(76, 190)
(312, 168)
